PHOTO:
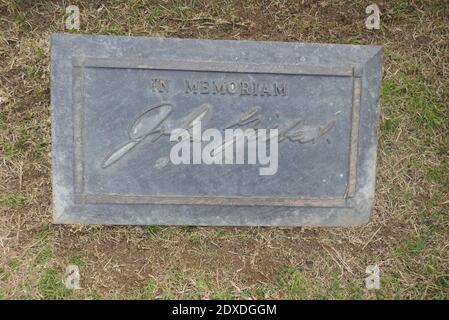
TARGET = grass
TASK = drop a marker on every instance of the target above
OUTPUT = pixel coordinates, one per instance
(12, 201)
(50, 285)
(293, 282)
(408, 233)
(152, 231)
(77, 260)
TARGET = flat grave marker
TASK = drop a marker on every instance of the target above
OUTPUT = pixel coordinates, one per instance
(125, 111)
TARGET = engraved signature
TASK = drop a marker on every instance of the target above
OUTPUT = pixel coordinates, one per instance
(156, 122)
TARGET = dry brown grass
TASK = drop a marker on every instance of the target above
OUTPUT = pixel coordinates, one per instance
(407, 237)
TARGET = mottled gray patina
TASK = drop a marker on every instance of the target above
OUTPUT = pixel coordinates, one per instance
(110, 168)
